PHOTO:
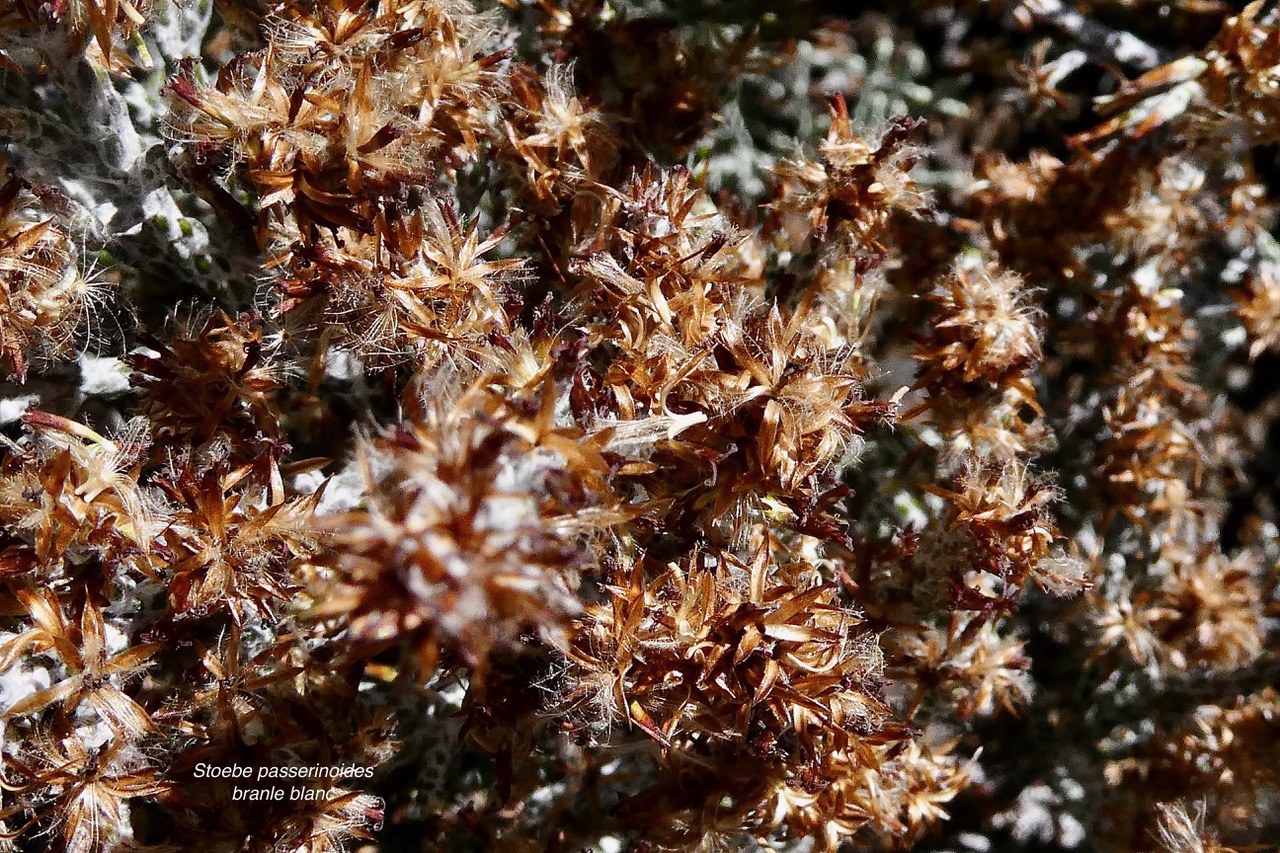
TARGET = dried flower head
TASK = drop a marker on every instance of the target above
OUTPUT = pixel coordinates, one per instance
(719, 649)
(232, 538)
(556, 137)
(421, 283)
(71, 500)
(44, 295)
(85, 790)
(984, 330)
(468, 536)
(214, 383)
(94, 677)
(1259, 309)
(851, 191)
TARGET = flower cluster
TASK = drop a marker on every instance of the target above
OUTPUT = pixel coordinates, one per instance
(640, 425)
